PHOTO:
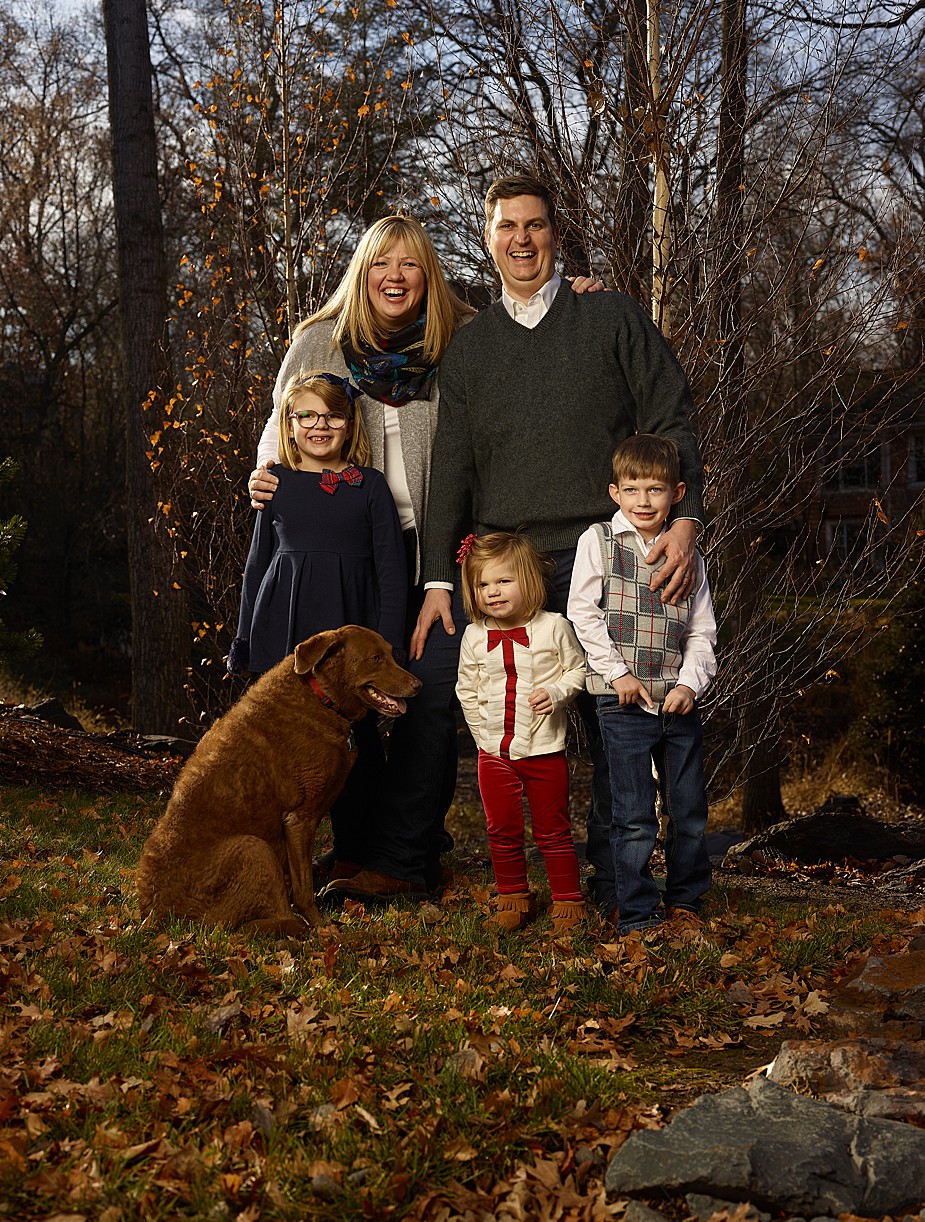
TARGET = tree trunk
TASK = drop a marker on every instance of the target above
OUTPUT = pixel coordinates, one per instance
(758, 729)
(634, 275)
(159, 622)
(762, 804)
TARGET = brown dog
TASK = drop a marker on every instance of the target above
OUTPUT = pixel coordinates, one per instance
(242, 816)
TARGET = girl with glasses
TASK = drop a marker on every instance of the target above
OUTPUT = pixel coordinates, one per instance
(327, 550)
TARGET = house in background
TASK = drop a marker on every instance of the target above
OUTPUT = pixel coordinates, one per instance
(873, 471)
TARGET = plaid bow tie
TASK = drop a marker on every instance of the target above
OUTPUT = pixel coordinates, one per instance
(517, 635)
(330, 479)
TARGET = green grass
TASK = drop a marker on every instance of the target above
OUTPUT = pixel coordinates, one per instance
(406, 1064)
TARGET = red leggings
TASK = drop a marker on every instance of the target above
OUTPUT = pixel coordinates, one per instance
(544, 779)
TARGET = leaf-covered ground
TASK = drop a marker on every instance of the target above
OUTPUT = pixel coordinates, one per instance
(402, 1064)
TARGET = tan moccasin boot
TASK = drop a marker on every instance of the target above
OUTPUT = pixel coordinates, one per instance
(513, 911)
(566, 914)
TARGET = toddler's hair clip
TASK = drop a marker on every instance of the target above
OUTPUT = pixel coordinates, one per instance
(465, 548)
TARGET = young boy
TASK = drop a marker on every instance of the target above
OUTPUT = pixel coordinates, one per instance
(648, 662)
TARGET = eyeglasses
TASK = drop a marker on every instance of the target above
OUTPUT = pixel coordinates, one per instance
(332, 420)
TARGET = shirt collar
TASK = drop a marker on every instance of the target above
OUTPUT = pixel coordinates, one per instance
(621, 526)
(542, 298)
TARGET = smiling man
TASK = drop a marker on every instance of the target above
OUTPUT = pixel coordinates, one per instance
(536, 394)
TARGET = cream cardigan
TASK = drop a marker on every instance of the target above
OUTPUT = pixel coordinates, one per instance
(554, 661)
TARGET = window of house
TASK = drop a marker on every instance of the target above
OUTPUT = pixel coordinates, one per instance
(850, 543)
(853, 466)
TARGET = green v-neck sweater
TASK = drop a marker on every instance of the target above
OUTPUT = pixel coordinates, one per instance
(529, 421)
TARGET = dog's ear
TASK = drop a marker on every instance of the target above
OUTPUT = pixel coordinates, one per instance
(314, 650)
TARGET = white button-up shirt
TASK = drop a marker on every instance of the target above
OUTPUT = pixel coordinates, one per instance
(537, 307)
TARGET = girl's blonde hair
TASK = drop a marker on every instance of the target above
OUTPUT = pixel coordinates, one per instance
(350, 306)
(334, 396)
(531, 568)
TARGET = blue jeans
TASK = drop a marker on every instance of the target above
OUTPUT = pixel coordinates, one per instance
(633, 741)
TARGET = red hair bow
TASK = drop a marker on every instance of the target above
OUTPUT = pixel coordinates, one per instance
(465, 548)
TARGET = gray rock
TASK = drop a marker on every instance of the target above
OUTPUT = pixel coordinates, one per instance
(704, 1207)
(837, 830)
(779, 1150)
(51, 711)
(637, 1212)
(871, 1077)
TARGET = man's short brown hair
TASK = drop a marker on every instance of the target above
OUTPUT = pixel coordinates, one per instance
(514, 185)
(645, 456)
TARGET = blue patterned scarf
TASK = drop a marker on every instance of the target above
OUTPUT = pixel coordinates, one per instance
(399, 371)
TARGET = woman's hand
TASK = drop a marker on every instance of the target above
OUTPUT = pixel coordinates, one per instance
(262, 485)
(437, 606)
(540, 702)
(587, 284)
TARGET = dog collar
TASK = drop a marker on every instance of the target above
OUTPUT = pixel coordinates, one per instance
(329, 704)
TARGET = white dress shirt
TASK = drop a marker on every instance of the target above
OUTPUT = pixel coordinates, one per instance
(536, 308)
(698, 660)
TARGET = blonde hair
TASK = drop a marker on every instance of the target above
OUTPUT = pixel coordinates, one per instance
(530, 567)
(350, 306)
(356, 448)
(645, 456)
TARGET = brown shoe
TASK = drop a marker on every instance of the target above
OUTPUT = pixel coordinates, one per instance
(371, 887)
(343, 869)
(566, 914)
(683, 918)
(513, 911)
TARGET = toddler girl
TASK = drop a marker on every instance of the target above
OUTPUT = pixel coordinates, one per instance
(519, 668)
(326, 551)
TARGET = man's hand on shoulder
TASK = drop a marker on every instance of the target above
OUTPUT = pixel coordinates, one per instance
(679, 572)
(262, 485)
(437, 606)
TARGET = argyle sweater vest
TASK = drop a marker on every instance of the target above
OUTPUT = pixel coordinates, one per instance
(646, 631)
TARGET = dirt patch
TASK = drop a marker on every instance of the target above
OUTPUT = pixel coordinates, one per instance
(32, 752)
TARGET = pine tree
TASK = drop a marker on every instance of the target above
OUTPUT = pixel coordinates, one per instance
(12, 531)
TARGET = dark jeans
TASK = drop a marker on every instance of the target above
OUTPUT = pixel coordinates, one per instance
(634, 740)
(399, 829)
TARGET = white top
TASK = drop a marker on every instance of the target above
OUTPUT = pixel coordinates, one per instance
(698, 660)
(394, 468)
(537, 307)
(553, 660)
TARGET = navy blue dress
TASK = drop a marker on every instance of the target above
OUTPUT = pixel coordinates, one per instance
(319, 561)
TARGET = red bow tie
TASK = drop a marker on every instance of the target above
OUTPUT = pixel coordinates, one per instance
(330, 479)
(517, 635)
